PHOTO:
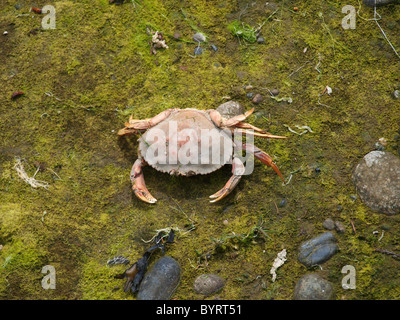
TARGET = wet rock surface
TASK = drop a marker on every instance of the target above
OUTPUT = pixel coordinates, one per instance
(313, 287)
(161, 280)
(317, 250)
(208, 283)
(377, 181)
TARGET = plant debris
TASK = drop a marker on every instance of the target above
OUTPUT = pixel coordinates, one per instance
(279, 261)
(16, 94)
(135, 273)
(307, 129)
(24, 176)
(157, 41)
(117, 260)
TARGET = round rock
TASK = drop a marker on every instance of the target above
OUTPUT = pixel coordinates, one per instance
(317, 250)
(328, 224)
(312, 287)
(258, 98)
(208, 283)
(230, 109)
(377, 181)
(161, 281)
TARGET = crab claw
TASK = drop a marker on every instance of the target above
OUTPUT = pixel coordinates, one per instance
(237, 170)
(138, 184)
(229, 186)
(144, 195)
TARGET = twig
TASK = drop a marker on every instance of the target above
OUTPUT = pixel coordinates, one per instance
(352, 224)
(277, 210)
(388, 252)
(319, 62)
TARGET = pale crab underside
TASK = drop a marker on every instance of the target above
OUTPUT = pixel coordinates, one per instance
(189, 142)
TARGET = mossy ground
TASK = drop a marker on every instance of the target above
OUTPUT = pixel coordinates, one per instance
(82, 80)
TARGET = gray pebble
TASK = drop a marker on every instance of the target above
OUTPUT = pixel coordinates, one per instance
(317, 250)
(260, 40)
(340, 227)
(328, 224)
(160, 282)
(312, 287)
(275, 92)
(396, 94)
(208, 283)
(377, 181)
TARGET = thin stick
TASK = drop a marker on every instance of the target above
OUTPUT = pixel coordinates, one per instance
(277, 210)
(388, 252)
(352, 224)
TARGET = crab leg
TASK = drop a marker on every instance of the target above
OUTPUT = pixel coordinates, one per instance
(138, 184)
(258, 134)
(264, 157)
(221, 122)
(237, 122)
(245, 125)
(135, 125)
(237, 170)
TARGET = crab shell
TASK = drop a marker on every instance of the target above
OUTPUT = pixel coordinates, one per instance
(197, 141)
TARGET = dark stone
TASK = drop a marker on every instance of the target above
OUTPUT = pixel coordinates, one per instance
(312, 287)
(377, 181)
(258, 98)
(198, 51)
(214, 47)
(317, 250)
(161, 281)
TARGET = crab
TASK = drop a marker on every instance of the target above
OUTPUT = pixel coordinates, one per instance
(177, 135)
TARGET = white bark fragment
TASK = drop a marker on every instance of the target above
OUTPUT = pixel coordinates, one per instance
(279, 261)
